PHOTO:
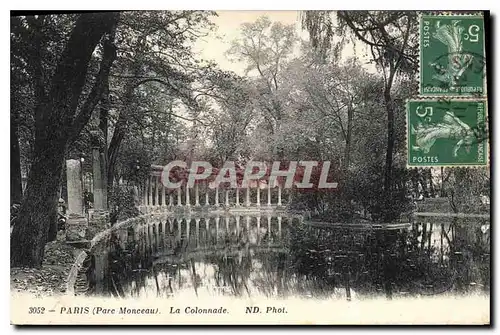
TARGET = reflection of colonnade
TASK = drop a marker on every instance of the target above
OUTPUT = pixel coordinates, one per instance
(183, 235)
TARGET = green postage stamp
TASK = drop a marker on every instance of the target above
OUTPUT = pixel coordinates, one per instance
(447, 133)
(452, 61)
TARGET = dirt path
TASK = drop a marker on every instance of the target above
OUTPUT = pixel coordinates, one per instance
(50, 279)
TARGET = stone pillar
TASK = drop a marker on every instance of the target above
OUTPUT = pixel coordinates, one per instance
(279, 195)
(196, 195)
(227, 198)
(258, 196)
(150, 191)
(237, 196)
(226, 219)
(154, 233)
(269, 238)
(137, 200)
(188, 226)
(197, 237)
(157, 193)
(74, 185)
(77, 224)
(237, 224)
(279, 226)
(145, 194)
(247, 219)
(179, 200)
(163, 195)
(269, 194)
(170, 200)
(164, 234)
(258, 230)
(207, 201)
(247, 196)
(217, 219)
(99, 187)
(188, 201)
(179, 229)
(217, 196)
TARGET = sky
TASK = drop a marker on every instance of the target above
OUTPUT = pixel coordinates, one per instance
(228, 24)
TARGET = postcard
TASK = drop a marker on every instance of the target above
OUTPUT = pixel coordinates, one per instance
(250, 167)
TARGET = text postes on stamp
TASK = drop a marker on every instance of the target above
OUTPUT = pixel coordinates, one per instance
(452, 61)
(447, 133)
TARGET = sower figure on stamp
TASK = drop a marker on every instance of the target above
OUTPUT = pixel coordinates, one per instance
(458, 61)
(450, 128)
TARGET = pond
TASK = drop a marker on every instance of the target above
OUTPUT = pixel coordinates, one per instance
(279, 256)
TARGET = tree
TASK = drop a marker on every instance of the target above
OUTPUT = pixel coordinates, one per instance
(60, 115)
(157, 54)
(392, 40)
(265, 47)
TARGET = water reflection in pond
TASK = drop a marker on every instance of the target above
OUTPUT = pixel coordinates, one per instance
(278, 257)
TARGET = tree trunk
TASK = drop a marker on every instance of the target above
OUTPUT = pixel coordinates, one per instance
(38, 209)
(348, 140)
(103, 126)
(55, 124)
(119, 132)
(16, 186)
(388, 216)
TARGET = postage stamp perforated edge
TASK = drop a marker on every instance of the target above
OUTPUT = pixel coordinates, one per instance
(419, 89)
(486, 164)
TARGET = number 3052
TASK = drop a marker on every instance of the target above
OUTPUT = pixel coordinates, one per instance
(36, 310)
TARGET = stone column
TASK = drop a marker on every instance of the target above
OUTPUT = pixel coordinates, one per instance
(269, 238)
(150, 191)
(163, 195)
(179, 229)
(207, 201)
(197, 237)
(227, 198)
(77, 224)
(196, 195)
(237, 196)
(217, 219)
(164, 234)
(145, 194)
(188, 201)
(279, 195)
(258, 196)
(74, 185)
(179, 199)
(269, 194)
(217, 197)
(279, 226)
(247, 197)
(258, 230)
(137, 200)
(237, 224)
(157, 193)
(99, 187)
(247, 219)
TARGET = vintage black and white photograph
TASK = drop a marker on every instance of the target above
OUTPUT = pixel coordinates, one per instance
(250, 167)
